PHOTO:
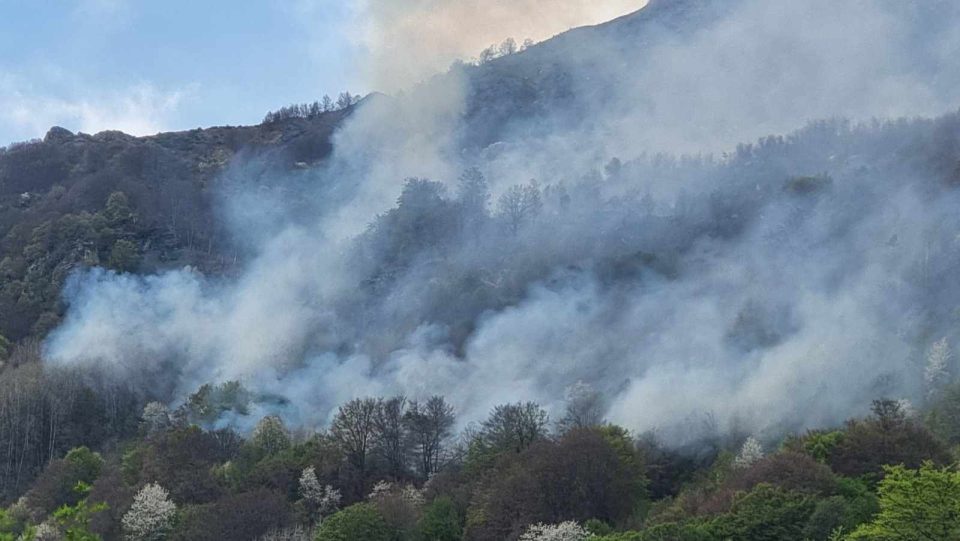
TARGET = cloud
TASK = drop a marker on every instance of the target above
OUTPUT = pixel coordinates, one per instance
(140, 109)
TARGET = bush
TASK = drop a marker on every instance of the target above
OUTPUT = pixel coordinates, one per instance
(766, 513)
(359, 521)
(915, 504)
(440, 522)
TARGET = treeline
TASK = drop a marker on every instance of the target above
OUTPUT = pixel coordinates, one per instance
(312, 110)
(505, 48)
(393, 468)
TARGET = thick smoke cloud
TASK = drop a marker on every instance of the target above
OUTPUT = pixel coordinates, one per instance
(770, 288)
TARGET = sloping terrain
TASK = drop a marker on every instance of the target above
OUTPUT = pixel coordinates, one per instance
(55, 212)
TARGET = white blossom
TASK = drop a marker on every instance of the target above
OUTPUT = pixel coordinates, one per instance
(155, 417)
(751, 452)
(324, 498)
(47, 532)
(412, 495)
(151, 515)
(295, 533)
(565, 531)
(381, 489)
(937, 371)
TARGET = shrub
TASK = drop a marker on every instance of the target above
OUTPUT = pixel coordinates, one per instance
(359, 521)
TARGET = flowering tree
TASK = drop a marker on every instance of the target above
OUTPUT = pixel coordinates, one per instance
(151, 515)
(751, 452)
(565, 531)
(156, 417)
(937, 371)
(324, 498)
(294, 533)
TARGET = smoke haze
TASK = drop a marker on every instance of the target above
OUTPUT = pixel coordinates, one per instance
(688, 278)
(409, 41)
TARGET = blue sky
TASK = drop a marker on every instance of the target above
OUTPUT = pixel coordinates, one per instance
(146, 66)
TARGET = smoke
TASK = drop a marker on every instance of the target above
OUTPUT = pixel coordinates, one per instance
(773, 287)
(411, 40)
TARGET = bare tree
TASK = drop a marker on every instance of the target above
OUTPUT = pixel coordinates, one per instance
(584, 408)
(392, 442)
(519, 205)
(514, 427)
(355, 431)
(430, 425)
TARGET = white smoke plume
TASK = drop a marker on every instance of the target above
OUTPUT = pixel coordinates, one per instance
(773, 287)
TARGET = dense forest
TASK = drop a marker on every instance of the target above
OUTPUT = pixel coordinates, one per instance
(396, 469)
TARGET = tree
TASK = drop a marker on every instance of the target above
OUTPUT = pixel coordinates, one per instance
(345, 100)
(393, 445)
(565, 531)
(519, 205)
(584, 408)
(915, 505)
(441, 521)
(750, 452)
(766, 513)
(507, 47)
(513, 427)
(359, 521)
(124, 256)
(473, 192)
(150, 518)
(888, 437)
(327, 103)
(937, 371)
(488, 54)
(270, 435)
(117, 210)
(324, 499)
(429, 425)
(355, 430)
(155, 417)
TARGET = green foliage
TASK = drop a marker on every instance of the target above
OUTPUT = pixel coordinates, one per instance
(84, 465)
(440, 522)
(597, 527)
(210, 402)
(766, 513)
(359, 521)
(34, 271)
(915, 505)
(687, 531)
(74, 521)
(117, 209)
(270, 436)
(820, 444)
(124, 256)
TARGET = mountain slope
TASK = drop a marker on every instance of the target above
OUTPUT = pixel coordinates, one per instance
(54, 197)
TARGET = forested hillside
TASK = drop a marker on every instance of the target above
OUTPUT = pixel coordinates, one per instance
(127, 203)
(687, 275)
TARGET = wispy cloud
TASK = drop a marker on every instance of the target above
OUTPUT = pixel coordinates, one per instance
(139, 109)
